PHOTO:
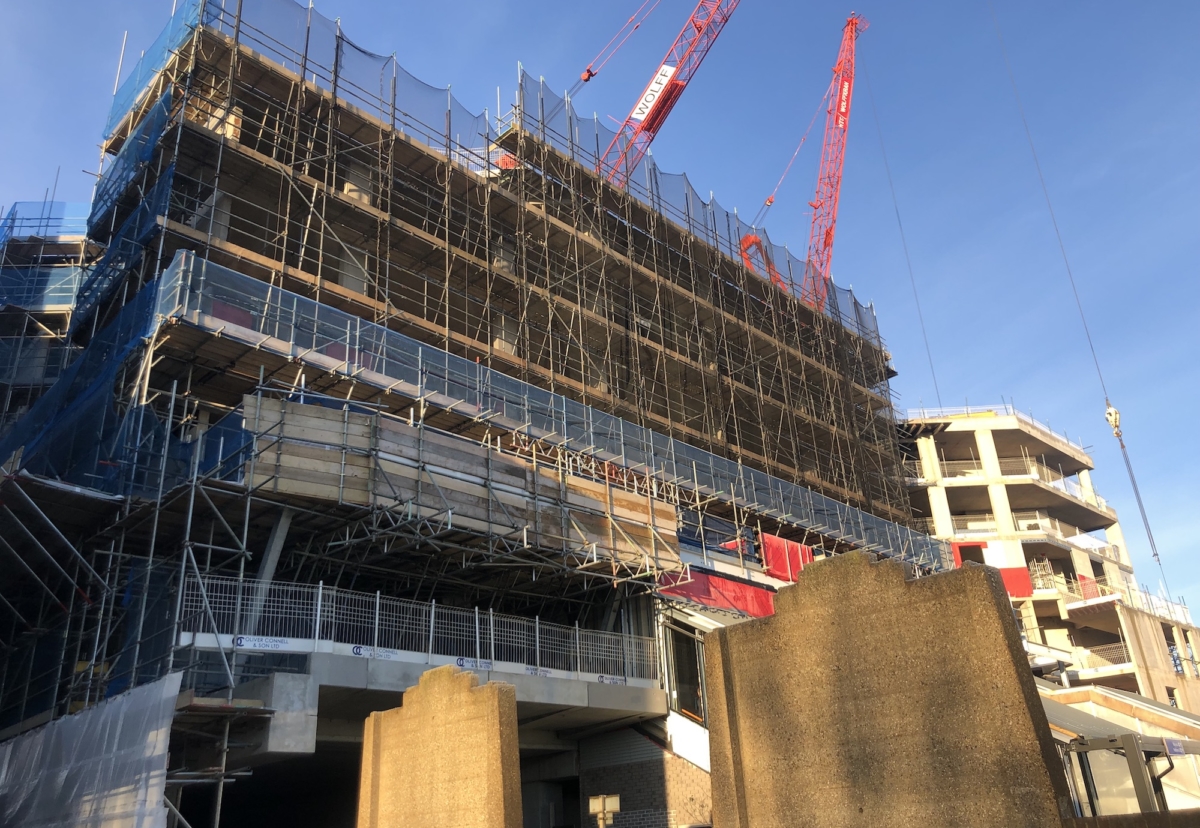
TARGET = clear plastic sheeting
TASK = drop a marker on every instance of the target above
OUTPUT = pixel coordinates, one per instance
(35, 288)
(203, 293)
(553, 120)
(305, 42)
(104, 767)
(43, 220)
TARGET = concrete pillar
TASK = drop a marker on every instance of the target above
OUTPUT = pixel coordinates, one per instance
(955, 718)
(931, 469)
(987, 454)
(1116, 537)
(998, 496)
(266, 568)
(1085, 484)
(943, 523)
(447, 759)
(997, 493)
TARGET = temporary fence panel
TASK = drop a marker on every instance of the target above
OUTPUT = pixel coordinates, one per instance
(103, 766)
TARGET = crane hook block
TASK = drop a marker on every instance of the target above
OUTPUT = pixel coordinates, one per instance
(1114, 420)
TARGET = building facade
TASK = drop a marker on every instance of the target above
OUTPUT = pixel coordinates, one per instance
(361, 382)
(1008, 492)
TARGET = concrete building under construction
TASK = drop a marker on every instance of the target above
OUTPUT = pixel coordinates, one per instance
(362, 382)
(1007, 491)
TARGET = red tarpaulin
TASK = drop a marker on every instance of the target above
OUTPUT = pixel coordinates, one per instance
(784, 558)
(722, 593)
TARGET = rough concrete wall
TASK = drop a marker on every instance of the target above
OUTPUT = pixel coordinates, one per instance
(1156, 671)
(665, 785)
(869, 700)
(447, 759)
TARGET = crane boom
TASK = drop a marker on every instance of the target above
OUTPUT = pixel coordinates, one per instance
(829, 180)
(629, 145)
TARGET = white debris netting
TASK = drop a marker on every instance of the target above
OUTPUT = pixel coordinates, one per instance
(105, 767)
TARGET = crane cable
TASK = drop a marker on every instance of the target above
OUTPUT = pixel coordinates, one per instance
(762, 211)
(912, 280)
(1111, 415)
(637, 19)
(593, 70)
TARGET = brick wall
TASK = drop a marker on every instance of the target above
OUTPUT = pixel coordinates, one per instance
(663, 788)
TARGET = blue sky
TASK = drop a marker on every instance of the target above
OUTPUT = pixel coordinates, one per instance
(1112, 94)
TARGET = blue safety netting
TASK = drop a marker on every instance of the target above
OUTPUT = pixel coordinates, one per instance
(131, 92)
(125, 250)
(135, 153)
(70, 433)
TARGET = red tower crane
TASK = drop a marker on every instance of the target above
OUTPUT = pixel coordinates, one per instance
(829, 180)
(632, 140)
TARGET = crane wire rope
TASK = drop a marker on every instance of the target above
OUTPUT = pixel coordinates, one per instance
(605, 55)
(1110, 413)
(912, 280)
(762, 211)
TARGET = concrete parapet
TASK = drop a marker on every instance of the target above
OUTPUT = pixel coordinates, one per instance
(872, 700)
(447, 758)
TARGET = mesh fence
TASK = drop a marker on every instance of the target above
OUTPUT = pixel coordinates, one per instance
(373, 621)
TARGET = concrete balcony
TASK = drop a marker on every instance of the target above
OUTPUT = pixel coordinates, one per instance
(1093, 594)
(1042, 524)
(1103, 661)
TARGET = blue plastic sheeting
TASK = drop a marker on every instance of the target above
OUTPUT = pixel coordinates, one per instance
(43, 219)
(135, 153)
(39, 288)
(217, 298)
(125, 250)
(131, 92)
(74, 432)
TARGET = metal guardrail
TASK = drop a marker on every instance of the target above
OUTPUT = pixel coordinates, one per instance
(1012, 467)
(193, 288)
(1087, 589)
(309, 612)
(1005, 410)
(1105, 655)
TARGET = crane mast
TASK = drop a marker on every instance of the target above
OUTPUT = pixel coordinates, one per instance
(829, 181)
(629, 145)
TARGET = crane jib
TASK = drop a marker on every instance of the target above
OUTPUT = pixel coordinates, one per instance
(653, 93)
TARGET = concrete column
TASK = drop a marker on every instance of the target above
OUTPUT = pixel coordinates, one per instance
(1116, 537)
(987, 454)
(931, 469)
(943, 524)
(266, 568)
(1085, 483)
(998, 495)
